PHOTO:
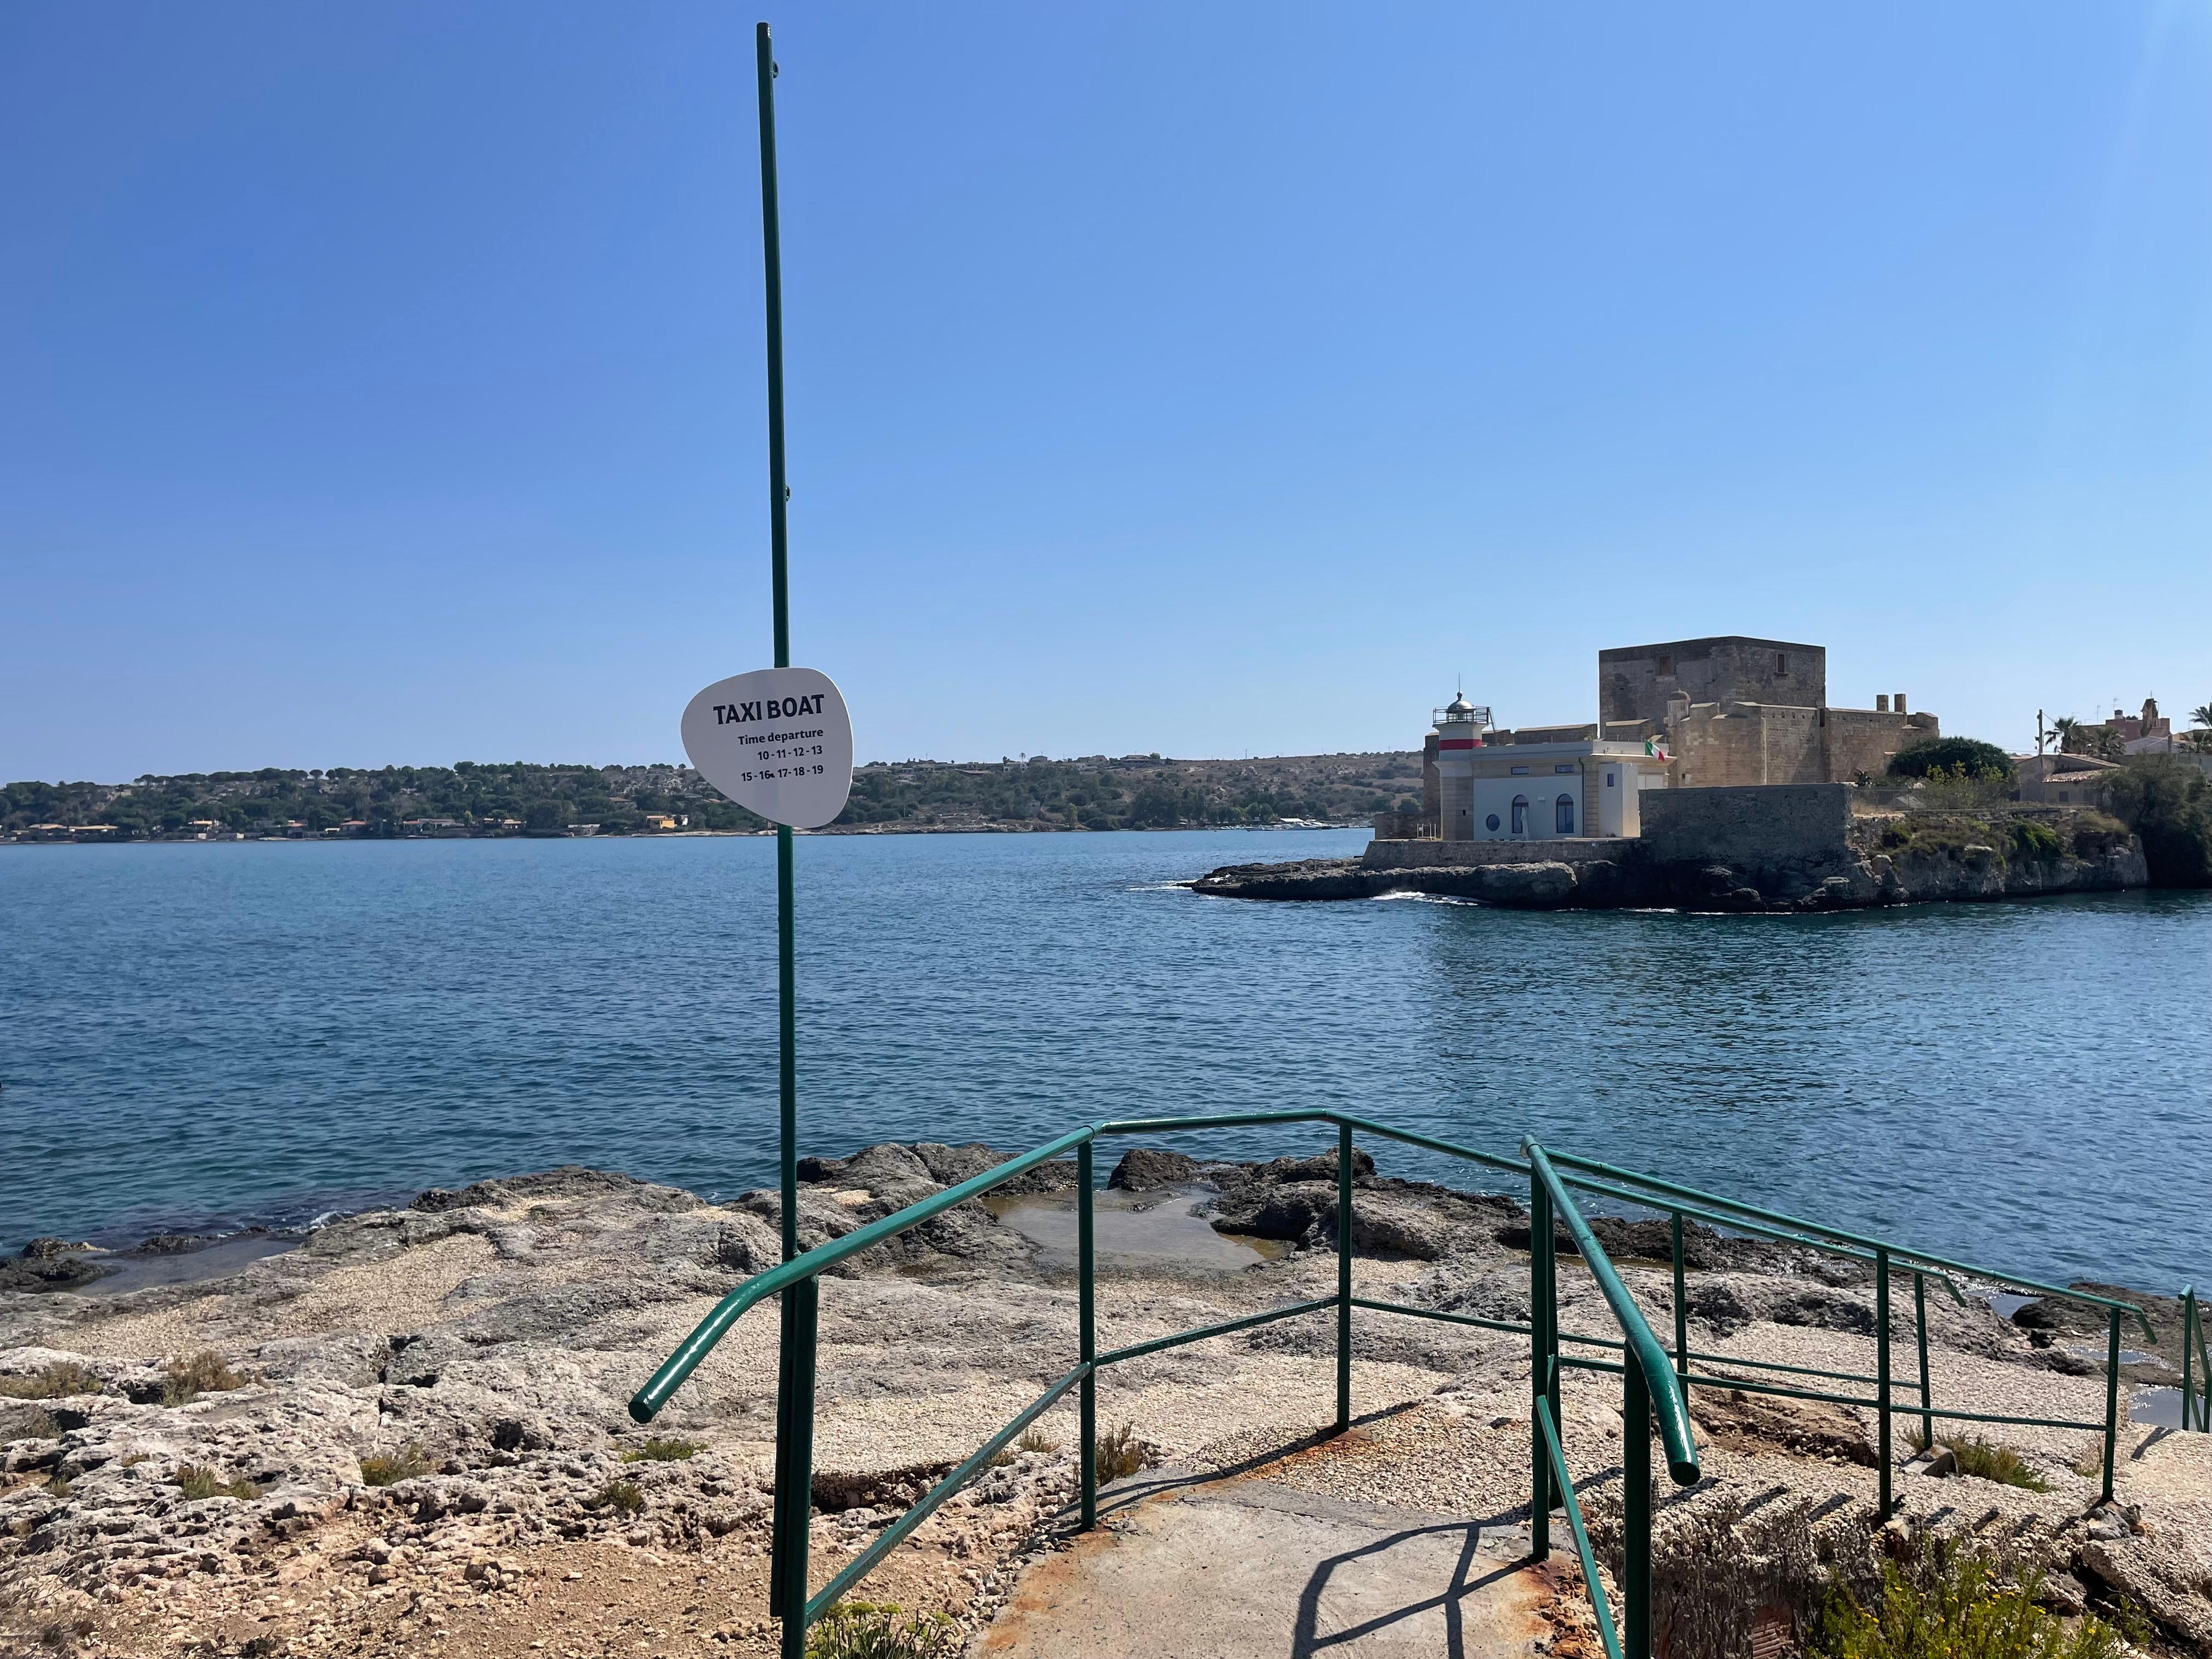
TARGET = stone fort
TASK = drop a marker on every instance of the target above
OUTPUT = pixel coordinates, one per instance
(1732, 710)
(1724, 712)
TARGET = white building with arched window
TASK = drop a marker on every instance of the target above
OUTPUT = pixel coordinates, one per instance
(1538, 784)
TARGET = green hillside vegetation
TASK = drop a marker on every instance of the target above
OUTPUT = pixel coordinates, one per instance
(1134, 793)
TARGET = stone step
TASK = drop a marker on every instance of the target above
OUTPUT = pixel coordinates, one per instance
(1184, 1565)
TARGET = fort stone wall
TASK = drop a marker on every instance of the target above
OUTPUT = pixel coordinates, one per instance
(1864, 739)
(1635, 681)
(1754, 827)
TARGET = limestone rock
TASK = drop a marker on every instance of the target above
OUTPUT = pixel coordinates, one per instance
(1145, 1169)
(2159, 1577)
(1767, 1423)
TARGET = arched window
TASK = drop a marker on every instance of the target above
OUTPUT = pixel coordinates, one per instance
(1520, 815)
(1564, 814)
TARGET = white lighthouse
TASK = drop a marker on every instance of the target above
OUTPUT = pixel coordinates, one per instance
(1459, 726)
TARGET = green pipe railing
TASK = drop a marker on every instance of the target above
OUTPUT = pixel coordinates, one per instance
(1629, 1186)
(1655, 1383)
(2196, 1366)
(1650, 1382)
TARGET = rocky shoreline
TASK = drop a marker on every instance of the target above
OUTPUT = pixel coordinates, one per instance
(408, 1436)
(1880, 864)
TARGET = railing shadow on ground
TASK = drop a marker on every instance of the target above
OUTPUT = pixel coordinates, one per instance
(1306, 1638)
(1655, 1383)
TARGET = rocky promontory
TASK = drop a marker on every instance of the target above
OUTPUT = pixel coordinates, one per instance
(408, 1434)
(1874, 859)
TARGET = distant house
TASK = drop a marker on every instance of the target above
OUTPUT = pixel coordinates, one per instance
(2066, 780)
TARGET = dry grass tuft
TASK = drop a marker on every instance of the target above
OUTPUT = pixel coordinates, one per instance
(196, 1482)
(194, 1375)
(622, 1497)
(2002, 1464)
(660, 1450)
(58, 1380)
(1121, 1453)
(390, 1468)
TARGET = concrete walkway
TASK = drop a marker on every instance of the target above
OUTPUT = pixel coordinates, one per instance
(1185, 1566)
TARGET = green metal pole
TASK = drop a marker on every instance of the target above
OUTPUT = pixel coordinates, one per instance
(797, 1511)
(1681, 1309)
(2187, 1351)
(1554, 1374)
(1539, 1373)
(779, 577)
(2112, 1406)
(1920, 1333)
(1882, 1369)
(786, 1367)
(1343, 1277)
(2191, 1335)
(1636, 1505)
(1087, 1333)
(795, 1373)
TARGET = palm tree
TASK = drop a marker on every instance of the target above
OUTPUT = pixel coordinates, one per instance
(2201, 715)
(2063, 728)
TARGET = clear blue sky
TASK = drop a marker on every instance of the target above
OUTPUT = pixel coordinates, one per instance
(382, 383)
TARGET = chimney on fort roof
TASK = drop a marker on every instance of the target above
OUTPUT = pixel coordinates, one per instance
(1881, 703)
(1897, 701)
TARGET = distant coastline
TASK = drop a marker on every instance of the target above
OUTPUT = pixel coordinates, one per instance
(473, 800)
(592, 832)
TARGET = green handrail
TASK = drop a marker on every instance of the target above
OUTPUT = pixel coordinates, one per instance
(1658, 1370)
(1650, 1384)
(2196, 1366)
(646, 1404)
(1578, 1529)
(1895, 1252)
(1778, 1234)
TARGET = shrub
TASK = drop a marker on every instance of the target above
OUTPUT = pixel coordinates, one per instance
(874, 1630)
(2168, 803)
(1121, 1453)
(196, 1482)
(1034, 1440)
(194, 1375)
(1956, 789)
(622, 1497)
(39, 1426)
(1984, 1461)
(390, 1468)
(1954, 1607)
(56, 1381)
(2032, 840)
(660, 1450)
(1960, 757)
(2095, 833)
(1940, 837)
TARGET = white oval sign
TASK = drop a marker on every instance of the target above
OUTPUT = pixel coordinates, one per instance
(776, 741)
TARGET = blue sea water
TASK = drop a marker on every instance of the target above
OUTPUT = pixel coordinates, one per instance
(213, 1035)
